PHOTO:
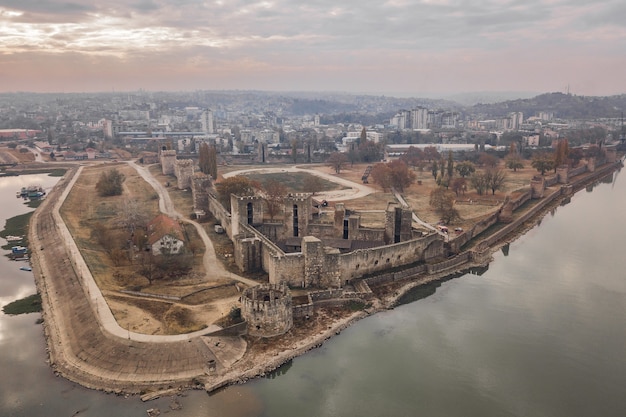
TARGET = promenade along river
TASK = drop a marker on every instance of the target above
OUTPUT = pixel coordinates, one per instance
(542, 332)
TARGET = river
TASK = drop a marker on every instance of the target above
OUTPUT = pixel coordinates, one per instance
(542, 332)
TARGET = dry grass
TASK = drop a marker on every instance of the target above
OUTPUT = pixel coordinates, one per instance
(84, 209)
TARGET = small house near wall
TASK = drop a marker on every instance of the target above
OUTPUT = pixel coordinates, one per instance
(165, 235)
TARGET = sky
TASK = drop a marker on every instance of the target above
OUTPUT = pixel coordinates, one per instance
(402, 47)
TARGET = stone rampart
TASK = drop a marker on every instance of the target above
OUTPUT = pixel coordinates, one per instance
(455, 262)
(369, 261)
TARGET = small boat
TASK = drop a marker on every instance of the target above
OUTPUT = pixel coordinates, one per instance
(10, 238)
(25, 268)
(19, 250)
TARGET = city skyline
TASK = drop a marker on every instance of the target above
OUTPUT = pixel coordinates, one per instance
(428, 47)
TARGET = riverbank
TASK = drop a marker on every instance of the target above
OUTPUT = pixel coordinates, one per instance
(85, 353)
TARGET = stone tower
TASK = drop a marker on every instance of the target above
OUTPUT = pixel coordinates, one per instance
(298, 213)
(183, 170)
(200, 186)
(168, 162)
(267, 309)
(246, 210)
(398, 222)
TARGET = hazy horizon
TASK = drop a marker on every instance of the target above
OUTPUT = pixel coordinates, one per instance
(416, 48)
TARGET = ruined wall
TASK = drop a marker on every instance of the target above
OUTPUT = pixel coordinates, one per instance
(267, 309)
(550, 181)
(200, 186)
(537, 186)
(183, 170)
(370, 234)
(168, 162)
(579, 170)
(611, 155)
(221, 214)
(368, 261)
(324, 231)
(247, 253)
(562, 174)
(288, 268)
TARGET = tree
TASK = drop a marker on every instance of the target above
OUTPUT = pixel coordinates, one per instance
(238, 185)
(459, 185)
(514, 162)
(312, 184)
(110, 183)
(363, 137)
(543, 162)
(442, 201)
(431, 153)
(450, 164)
(401, 176)
(413, 157)
(487, 160)
(495, 179)
(479, 182)
(465, 169)
(133, 217)
(294, 150)
(203, 158)
(370, 151)
(381, 174)
(337, 161)
(434, 169)
(562, 151)
(274, 194)
(212, 165)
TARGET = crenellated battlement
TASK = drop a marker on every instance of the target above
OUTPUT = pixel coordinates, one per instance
(267, 309)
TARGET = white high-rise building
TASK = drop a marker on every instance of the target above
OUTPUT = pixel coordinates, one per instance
(419, 118)
(207, 121)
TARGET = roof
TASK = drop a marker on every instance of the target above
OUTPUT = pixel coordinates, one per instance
(163, 225)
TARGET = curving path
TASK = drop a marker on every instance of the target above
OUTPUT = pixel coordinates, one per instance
(211, 264)
(355, 190)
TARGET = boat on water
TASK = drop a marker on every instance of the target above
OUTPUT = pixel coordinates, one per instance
(33, 191)
(25, 268)
(19, 250)
(10, 238)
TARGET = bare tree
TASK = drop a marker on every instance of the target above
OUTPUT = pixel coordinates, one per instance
(337, 161)
(274, 194)
(495, 179)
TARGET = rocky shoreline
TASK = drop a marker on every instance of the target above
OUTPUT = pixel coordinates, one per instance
(80, 351)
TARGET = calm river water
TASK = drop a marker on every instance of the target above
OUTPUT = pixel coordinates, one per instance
(541, 333)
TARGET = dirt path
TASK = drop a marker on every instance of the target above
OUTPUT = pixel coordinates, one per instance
(355, 190)
(214, 268)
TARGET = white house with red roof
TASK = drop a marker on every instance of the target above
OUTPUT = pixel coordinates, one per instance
(165, 235)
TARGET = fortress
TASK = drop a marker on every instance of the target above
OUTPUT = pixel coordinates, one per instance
(326, 249)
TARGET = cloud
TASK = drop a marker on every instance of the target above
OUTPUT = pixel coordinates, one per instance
(318, 38)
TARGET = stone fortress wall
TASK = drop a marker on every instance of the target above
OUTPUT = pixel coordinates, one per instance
(406, 251)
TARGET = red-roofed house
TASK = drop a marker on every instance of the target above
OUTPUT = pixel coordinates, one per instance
(165, 235)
